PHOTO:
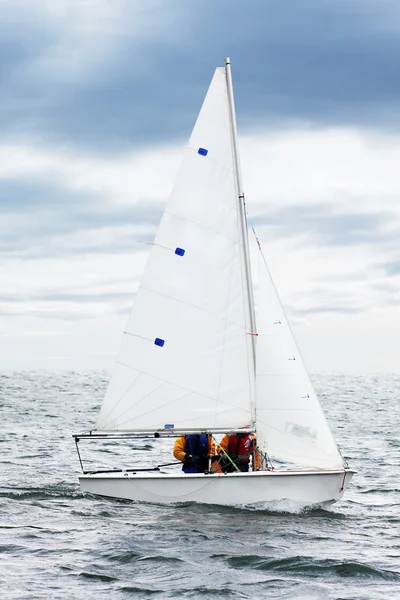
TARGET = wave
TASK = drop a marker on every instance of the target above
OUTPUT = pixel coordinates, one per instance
(161, 559)
(282, 507)
(199, 591)
(123, 557)
(308, 566)
(58, 490)
(138, 590)
(98, 576)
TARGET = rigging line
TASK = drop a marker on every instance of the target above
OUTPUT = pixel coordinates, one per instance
(264, 454)
(197, 489)
(107, 415)
(226, 454)
(257, 240)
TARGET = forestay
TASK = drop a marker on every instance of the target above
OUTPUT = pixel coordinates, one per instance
(184, 358)
(290, 421)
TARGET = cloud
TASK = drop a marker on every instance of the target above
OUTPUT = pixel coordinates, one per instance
(111, 76)
(97, 99)
(324, 225)
(324, 309)
(42, 219)
(324, 204)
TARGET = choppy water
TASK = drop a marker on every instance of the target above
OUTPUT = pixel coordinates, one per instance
(57, 543)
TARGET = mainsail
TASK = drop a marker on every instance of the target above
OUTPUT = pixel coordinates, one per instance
(290, 423)
(184, 358)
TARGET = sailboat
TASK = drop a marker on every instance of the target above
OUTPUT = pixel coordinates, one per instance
(198, 355)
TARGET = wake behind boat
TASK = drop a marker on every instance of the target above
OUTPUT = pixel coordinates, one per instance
(195, 356)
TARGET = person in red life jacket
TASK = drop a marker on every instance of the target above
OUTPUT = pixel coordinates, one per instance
(194, 451)
(239, 447)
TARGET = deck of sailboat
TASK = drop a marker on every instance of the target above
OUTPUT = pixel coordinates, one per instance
(150, 473)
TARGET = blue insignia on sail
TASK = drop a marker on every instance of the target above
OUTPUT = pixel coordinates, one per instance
(202, 151)
(180, 251)
(159, 342)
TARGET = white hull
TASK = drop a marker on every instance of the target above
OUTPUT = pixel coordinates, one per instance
(307, 487)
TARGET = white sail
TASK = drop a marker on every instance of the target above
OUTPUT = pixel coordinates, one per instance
(184, 358)
(291, 426)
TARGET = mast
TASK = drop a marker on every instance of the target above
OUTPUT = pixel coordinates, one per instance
(242, 211)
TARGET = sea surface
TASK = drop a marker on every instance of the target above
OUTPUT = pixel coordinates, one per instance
(56, 542)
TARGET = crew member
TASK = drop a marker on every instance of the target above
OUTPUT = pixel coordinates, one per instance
(194, 451)
(239, 447)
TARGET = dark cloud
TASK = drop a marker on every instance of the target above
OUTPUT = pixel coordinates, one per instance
(326, 226)
(332, 62)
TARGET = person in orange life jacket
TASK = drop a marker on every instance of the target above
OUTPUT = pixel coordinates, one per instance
(239, 447)
(194, 451)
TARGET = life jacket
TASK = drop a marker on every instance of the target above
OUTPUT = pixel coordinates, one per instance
(196, 444)
(240, 447)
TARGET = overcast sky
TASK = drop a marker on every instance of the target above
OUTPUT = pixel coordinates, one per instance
(98, 98)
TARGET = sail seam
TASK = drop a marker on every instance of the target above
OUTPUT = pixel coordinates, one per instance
(198, 224)
(208, 312)
(231, 406)
(189, 420)
(187, 393)
(108, 415)
(143, 398)
(209, 159)
(172, 402)
(165, 380)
